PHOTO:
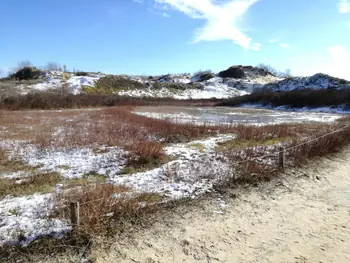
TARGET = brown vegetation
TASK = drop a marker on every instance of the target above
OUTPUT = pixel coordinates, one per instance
(41, 183)
(104, 208)
(145, 156)
(52, 100)
(259, 162)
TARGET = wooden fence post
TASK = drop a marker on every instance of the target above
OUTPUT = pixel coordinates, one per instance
(74, 214)
(281, 157)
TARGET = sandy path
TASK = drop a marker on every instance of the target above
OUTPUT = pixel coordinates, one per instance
(303, 219)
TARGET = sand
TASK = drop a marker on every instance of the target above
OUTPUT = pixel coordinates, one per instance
(302, 217)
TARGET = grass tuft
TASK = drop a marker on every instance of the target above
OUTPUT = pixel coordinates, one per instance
(239, 144)
(37, 183)
(104, 207)
(145, 156)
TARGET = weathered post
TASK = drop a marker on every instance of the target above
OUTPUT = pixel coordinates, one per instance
(281, 157)
(74, 214)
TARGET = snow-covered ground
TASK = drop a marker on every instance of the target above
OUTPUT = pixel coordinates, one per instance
(225, 115)
(316, 82)
(24, 219)
(215, 87)
(194, 168)
(341, 109)
(193, 171)
(55, 81)
(217, 90)
(76, 82)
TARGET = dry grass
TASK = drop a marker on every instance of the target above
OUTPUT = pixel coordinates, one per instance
(101, 213)
(52, 100)
(37, 183)
(118, 126)
(3, 155)
(260, 163)
(321, 147)
(103, 208)
(13, 165)
(241, 144)
(145, 155)
(35, 125)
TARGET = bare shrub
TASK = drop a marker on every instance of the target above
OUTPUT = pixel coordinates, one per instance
(51, 100)
(318, 147)
(103, 208)
(261, 162)
(147, 152)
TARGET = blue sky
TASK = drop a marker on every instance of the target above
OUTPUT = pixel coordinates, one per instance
(173, 36)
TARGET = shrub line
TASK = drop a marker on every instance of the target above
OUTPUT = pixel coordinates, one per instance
(298, 145)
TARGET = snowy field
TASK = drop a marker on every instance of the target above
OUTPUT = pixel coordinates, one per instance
(226, 115)
(193, 169)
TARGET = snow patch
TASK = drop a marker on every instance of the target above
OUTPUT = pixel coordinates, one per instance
(24, 219)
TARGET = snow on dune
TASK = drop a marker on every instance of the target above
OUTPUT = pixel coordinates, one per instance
(316, 82)
(76, 82)
(213, 88)
(55, 80)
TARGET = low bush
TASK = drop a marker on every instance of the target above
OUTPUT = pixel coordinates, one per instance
(260, 163)
(105, 207)
(81, 73)
(145, 155)
(51, 100)
(110, 84)
(294, 99)
(326, 145)
(26, 73)
(204, 75)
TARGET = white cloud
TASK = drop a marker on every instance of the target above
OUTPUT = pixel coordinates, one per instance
(336, 63)
(284, 45)
(138, 1)
(344, 6)
(221, 19)
(348, 24)
(340, 61)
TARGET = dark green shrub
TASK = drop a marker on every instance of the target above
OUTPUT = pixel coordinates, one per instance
(81, 74)
(26, 73)
(294, 99)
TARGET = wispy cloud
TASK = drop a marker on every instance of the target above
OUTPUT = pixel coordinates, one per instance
(277, 41)
(138, 1)
(273, 40)
(284, 45)
(163, 14)
(221, 19)
(344, 6)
